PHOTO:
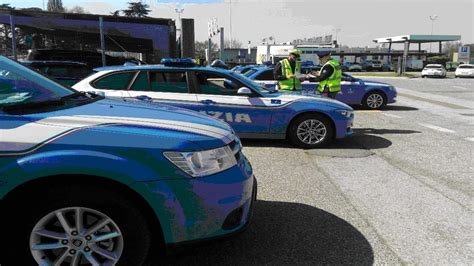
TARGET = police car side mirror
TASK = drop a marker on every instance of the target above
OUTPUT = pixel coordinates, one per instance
(244, 91)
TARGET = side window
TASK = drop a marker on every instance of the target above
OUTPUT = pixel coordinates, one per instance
(265, 75)
(215, 84)
(175, 81)
(117, 81)
(141, 82)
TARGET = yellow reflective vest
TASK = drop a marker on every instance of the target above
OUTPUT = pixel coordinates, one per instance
(334, 81)
(290, 83)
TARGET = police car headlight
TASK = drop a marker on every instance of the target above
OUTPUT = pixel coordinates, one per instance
(345, 113)
(203, 163)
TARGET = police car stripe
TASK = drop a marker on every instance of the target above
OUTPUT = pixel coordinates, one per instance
(31, 136)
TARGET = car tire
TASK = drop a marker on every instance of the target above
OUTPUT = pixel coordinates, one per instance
(374, 100)
(302, 130)
(126, 226)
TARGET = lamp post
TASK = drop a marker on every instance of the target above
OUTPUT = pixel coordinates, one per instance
(337, 31)
(179, 10)
(230, 23)
(432, 18)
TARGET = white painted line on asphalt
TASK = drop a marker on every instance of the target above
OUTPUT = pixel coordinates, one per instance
(470, 139)
(462, 88)
(441, 129)
(392, 115)
(368, 111)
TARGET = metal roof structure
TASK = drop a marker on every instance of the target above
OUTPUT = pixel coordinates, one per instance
(414, 38)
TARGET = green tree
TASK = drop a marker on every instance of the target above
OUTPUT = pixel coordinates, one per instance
(116, 13)
(136, 9)
(55, 6)
(6, 6)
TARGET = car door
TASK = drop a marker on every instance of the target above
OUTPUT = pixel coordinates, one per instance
(164, 86)
(352, 89)
(217, 96)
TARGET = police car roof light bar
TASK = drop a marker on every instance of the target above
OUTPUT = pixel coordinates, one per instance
(178, 62)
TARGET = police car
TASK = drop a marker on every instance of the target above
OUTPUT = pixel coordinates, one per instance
(251, 109)
(370, 94)
(91, 181)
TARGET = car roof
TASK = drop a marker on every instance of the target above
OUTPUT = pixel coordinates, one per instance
(437, 65)
(161, 67)
(52, 62)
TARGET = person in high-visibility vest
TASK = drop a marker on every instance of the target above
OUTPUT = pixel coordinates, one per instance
(286, 72)
(329, 77)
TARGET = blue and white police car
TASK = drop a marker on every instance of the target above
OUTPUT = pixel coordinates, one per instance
(355, 91)
(91, 181)
(251, 109)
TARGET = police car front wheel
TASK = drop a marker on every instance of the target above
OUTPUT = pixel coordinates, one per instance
(80, 225)
(310, 131)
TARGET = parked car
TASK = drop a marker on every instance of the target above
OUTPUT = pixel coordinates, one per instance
(433, 70)
(351, 67)
(371, 65)
(252, 110)
(91, 181)
(464, 71)
(370, 94)
(66, 72)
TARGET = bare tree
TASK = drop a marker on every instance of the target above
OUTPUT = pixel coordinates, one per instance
(55, 6)
(76, 10)
(200, 49)
(235, 44)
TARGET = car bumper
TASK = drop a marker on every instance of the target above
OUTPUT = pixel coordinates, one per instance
(434, 74)
(196, 209)
(464, 75)
(344, 127)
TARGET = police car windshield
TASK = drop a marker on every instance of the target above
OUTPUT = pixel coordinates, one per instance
(251, 83)
(22, 85)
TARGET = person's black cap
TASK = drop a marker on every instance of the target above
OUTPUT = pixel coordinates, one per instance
(324, 53)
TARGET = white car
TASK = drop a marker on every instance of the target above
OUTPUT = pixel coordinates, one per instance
(433, 70)
(465, 70)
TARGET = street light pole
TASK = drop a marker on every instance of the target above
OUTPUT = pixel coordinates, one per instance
(230, 23)
(179, 10)
(432, 18)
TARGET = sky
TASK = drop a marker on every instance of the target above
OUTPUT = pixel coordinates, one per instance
(358, 21)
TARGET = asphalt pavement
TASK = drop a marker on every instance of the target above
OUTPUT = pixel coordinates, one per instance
(399, 191)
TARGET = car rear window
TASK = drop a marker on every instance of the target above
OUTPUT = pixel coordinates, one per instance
(466, 67)
(433, 67)
(117, 81)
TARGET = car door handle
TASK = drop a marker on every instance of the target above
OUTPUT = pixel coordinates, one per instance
(207, 101)
(144, 98)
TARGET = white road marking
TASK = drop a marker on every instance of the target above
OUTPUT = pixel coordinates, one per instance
(391, 115)
(441, 129)
(462, 88)
(470, 139)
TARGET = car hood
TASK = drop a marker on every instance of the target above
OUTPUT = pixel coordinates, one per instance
(134, 114)
(373, 83)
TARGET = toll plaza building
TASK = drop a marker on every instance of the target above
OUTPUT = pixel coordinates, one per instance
(408, 40)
